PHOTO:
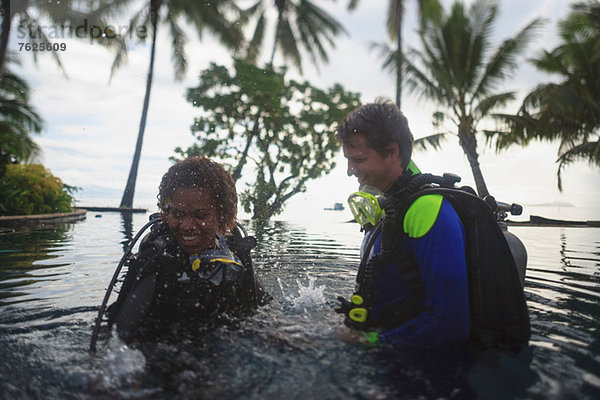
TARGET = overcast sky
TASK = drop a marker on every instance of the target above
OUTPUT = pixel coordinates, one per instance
(91, 126)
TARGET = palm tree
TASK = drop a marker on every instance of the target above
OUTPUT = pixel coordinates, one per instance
(429, 10)
(300, 24)
(567, 111)
(202, 15)
(18, 120)
(459, 71)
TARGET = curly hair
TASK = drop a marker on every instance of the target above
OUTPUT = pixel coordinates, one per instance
(381, 123)
(203, 173)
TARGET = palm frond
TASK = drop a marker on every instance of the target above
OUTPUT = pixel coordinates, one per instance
(352, 4)
(16, 112)
(213, 16)
(287, 42)
(419, 83)
(430, 11)
(140, 19)
(255, 44)
(16, 140)
(315, 27)
(588, 151)
(434, 141)
(431, 83)
(551, 62)
(109, 8)
(252, 11)
(385, 53)
(520, 130)
(178, 40)
(477, 40)
(504, 60)
(120, 57)
(41, 38)
(487, 104)
(14, 87)
(18, 119)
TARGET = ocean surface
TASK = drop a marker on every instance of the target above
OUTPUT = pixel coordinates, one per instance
(53, 279)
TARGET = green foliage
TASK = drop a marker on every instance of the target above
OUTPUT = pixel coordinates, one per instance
(18, 120)
(459, 69)
(31, 189)
(301, 26)
(429, 10)
(216, 17)
(282, 133)
(568, 110)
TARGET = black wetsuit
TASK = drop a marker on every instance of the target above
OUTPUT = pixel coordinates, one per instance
(162, 287)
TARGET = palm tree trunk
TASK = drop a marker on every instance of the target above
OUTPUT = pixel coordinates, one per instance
(468, 142)
(399, 55)
(127, 199)
(5, 31)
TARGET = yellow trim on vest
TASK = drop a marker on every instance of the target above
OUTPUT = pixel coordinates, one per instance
(421, 215)
(225, 261)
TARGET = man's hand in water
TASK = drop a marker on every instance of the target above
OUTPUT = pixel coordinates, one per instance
(354, 336)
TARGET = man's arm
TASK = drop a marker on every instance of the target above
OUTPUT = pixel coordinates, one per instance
(437, 239)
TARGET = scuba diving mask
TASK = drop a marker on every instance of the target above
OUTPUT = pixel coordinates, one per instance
(366, 205)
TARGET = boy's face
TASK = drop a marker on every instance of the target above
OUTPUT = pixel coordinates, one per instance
(370, 167)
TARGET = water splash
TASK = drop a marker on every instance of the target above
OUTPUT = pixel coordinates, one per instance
(121, 363)
(310, 296)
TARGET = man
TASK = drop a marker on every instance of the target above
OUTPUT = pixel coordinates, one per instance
(399, 306)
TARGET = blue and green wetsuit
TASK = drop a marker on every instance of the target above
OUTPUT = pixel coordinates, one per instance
(434, 239)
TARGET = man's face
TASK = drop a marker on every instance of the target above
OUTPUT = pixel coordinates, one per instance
(370, 167)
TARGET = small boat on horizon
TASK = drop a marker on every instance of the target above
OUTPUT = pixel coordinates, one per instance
(336, 207)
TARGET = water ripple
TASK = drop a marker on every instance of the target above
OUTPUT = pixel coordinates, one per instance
(53, 279)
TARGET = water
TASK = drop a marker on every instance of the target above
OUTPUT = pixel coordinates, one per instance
(52, 280)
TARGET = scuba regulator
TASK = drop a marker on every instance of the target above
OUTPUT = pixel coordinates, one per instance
(217, 266)
(367, 207)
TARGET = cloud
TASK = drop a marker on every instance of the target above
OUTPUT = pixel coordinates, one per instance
(91, 125)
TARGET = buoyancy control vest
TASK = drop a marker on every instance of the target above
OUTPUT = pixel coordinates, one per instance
(498, 310)
(161, 274)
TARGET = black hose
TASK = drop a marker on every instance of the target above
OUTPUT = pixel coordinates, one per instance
(154, 218)
(250, 267)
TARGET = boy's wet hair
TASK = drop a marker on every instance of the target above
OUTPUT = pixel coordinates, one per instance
(381, 123)
(203, 173)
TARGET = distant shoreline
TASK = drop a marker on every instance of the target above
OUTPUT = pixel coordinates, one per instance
(535, 220)
(38, 219)
(552, 204)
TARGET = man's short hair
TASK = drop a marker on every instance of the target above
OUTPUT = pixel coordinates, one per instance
(381, 123)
